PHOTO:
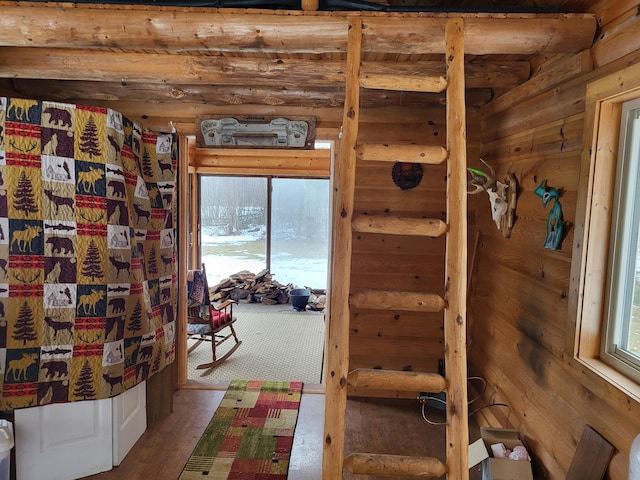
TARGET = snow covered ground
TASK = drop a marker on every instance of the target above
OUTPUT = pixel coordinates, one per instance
(237, 254)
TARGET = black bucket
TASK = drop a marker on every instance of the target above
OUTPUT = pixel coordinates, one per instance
(299, 298)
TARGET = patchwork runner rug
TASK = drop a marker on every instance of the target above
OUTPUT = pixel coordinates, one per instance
(250, 435)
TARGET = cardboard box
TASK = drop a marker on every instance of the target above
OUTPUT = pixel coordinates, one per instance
(499, 468)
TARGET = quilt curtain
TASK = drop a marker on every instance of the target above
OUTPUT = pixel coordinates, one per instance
(87, 253)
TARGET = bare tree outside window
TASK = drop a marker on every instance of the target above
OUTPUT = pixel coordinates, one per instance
(233, 212)
(234, 228)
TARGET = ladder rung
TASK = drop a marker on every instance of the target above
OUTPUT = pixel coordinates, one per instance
(382, 152)
(394, 465)
(402, 82)
(426, 227)
(397, 301)
(397, 380)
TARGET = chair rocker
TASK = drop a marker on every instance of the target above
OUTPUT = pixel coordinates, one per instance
(206, 321)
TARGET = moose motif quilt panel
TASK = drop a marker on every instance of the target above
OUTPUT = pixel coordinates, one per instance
(87, 253)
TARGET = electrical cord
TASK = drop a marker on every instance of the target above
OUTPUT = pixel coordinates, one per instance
(424, 404)
(424, 400)
(484, 387)
(435, 399)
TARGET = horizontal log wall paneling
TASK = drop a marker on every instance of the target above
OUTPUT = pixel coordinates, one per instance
(520, 298)
(377, 324)
(417, 353)
(402, 261)
(520, 301)
(552, 138)
(406, 263)
(411, 264)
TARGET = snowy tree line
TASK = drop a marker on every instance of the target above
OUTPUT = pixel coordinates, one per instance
(300, 208)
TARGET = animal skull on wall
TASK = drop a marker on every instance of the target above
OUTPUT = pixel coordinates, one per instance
(502, 196)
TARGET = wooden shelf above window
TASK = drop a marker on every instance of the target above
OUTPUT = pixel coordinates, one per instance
(293, 163)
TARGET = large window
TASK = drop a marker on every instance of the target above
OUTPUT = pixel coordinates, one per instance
(300, 231)
(233, 230)
(621, 338)
(257, 223)
(607, 320)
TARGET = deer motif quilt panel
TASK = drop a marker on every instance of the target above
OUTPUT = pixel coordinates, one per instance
(87, 253)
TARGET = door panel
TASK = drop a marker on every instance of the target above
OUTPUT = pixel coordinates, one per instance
(129, 420)
(78, 439)
(63, 441)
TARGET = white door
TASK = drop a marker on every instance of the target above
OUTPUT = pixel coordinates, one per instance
(129, 420)
(63, 441)
(72, 440)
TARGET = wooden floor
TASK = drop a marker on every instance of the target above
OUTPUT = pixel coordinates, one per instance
(164, 448)
(373, 425)
(397, 427)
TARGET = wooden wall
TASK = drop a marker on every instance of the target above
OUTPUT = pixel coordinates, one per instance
(401, 340)
(520, 307)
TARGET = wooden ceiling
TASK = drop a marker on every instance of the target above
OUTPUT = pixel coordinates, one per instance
(176, 62)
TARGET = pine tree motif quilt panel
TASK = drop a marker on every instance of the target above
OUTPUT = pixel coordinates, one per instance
(87, 253)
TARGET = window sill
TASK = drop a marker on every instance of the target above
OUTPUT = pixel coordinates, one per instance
(612, 376)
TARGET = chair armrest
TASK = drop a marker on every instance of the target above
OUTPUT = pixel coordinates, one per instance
(222, 314)
(224, 305)
(223, 310)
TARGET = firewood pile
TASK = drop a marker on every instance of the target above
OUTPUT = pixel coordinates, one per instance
(248, 287)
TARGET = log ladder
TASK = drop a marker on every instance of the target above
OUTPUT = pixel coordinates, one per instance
(454, 382)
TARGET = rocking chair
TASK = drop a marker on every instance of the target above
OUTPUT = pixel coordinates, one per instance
(205, 321)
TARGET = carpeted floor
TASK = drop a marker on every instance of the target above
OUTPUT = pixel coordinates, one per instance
(278, 344)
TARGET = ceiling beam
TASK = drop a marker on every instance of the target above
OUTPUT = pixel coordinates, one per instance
(109, 66)
(226, 30)
(163, 68)
(186, 112)
(62, 91)
(484, 34)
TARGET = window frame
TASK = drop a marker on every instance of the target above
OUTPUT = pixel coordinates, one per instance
(604, 102)
(271, 217)
(624, 243)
